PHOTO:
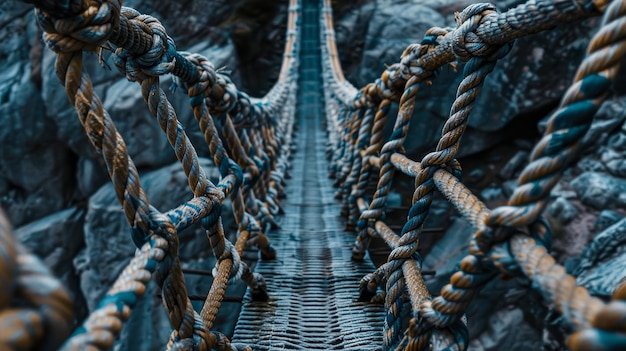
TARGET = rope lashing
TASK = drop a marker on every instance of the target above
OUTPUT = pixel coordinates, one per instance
(475, 72)
(396, 140)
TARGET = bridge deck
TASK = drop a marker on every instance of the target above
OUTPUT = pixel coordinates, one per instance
(313, 283)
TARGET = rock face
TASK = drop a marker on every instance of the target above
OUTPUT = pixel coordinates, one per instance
(600, 190)
(600, 266)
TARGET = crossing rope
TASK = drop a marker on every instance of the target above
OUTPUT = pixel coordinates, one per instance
(510, 240)
(250, 141)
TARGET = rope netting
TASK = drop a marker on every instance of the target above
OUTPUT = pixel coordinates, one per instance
(250, 149)
(510, 240)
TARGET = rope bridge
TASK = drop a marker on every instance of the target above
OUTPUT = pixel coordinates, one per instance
(320, 293)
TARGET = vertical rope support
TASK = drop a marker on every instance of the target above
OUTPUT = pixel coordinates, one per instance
(387, 170)
(374, 147)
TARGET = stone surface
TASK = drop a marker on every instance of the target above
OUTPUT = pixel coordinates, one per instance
(499, 335)
(607, 218)
(600, 190)
(562, 210)
(614, 155)
(601, 265)
(37, 169)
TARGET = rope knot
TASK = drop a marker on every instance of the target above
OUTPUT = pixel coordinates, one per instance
(223, 95)
(237, 268)
(410, 61)
(158, 60)
(465, 41)
(86, 30)
(391, 82)
(202, 87)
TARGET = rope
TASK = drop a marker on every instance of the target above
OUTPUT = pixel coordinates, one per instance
(481, 37)
(35, 310)
(143, 52)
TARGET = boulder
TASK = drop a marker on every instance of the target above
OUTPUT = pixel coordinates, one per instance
(508, 330)
(562, 210)
(601, 265)
(605, 219)
(600, 190)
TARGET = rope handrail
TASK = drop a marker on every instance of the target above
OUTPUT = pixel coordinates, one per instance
(511, 239)
(251, 152)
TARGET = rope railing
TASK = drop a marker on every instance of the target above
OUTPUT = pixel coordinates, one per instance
(249, 140)
(511, 240)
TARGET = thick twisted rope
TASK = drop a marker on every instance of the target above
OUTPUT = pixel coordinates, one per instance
(94, 24)
(551, 154)
(396, 141)
(525, 19)
(375, 144)
(568, 124)
(35, 310)
(475, 72)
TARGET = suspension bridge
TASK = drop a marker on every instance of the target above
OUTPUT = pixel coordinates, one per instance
(324, 293)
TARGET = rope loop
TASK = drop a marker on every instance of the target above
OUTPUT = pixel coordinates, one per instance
(85, 31)
(223, 96)
(157, 61)
(201, 339)
(237, 269)
(208, 78)
(465, 42)
(410, 60)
